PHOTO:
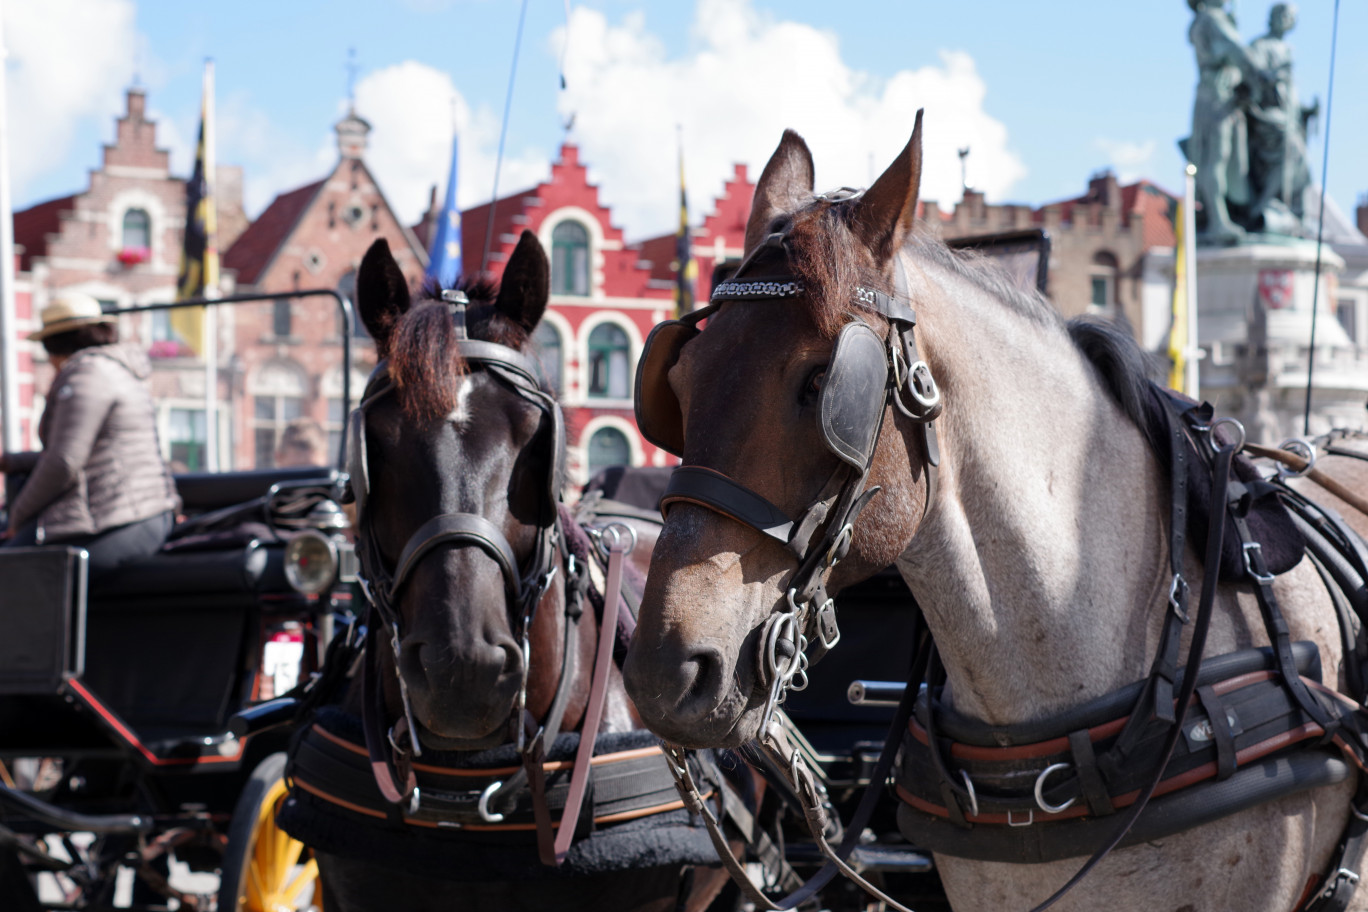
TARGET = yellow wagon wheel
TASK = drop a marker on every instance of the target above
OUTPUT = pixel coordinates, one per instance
(264, 868)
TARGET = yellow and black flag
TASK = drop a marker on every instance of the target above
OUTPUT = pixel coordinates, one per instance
(199, 266)
(686, 268)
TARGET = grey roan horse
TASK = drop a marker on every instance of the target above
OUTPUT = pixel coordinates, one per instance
(1039, 556)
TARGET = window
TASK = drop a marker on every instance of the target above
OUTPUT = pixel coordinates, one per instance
(137, 230)
(570, 259)
(609, 376)
(1102, 279)
(281, 318)
(608, 447)
(187, 433)
(277, 399)
(547, 340)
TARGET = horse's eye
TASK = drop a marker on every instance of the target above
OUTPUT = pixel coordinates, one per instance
(813, 387)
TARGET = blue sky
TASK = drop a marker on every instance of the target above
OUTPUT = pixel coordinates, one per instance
(1044, 94)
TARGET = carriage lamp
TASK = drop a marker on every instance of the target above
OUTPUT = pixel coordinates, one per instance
(311, 562)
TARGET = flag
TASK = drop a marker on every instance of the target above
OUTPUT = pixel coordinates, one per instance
(444, 259)
(199, 266)
(686, 270)
(1178, 332)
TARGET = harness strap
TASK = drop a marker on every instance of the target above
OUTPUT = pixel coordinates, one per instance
(593, 713)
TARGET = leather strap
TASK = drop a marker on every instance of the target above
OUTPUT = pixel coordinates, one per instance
(593, 713)
(715, 491)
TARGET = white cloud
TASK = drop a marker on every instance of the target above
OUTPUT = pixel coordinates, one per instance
(69, 61)
(1130, 160)
(731, 104)
(410, 148)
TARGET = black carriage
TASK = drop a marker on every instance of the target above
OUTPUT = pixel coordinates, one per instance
(141, 722)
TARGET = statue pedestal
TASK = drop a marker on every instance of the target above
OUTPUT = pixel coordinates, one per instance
(1254, 322)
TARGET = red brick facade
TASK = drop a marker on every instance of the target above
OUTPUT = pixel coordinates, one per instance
(606, 296)
(120, 241)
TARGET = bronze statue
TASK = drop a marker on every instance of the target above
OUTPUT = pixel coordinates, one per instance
(1277, 129)
(1248, 130)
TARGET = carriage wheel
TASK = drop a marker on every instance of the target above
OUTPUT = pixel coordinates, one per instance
(264, 868)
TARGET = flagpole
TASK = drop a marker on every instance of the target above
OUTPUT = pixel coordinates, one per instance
(1191, 379)
(211, 278)
(9, 330)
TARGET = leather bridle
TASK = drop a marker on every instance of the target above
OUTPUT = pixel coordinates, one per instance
(392, 751)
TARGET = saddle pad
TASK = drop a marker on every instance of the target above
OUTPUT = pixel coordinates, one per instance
(1269, 522)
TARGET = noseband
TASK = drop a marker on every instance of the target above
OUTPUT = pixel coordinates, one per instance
(518, 374)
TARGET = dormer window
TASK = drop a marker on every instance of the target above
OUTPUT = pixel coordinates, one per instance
(570, 259)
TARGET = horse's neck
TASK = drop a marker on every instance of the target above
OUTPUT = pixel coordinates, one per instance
(1044, 554)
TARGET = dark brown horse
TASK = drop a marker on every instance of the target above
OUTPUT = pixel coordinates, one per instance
(478, 635)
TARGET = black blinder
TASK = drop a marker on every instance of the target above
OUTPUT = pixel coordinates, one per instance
(658, 415)
(852, 400)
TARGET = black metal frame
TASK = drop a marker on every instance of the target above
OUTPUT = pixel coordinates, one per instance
(343, 304)
(1024, 240)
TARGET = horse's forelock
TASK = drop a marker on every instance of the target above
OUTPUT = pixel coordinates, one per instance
(424, 362)
(827, 258)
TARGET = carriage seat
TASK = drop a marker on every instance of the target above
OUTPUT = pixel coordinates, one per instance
(241, 566)
(201, 492)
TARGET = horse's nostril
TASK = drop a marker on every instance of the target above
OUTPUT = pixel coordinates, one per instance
(513, 660)
(703, 672)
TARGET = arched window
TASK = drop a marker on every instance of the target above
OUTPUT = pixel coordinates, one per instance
(137, 230)
(570, 259)
(609, 372)
(547, 339)
(608, 447)
(1102, 275)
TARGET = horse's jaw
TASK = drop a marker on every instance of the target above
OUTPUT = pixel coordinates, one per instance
(693, 669)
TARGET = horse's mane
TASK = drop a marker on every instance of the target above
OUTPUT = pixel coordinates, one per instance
(828, 258)
(423, 360)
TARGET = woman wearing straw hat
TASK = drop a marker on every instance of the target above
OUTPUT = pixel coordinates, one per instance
(99, 482)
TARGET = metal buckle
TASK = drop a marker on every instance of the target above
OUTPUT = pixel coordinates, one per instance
(1040, 790)
(827, 628)
(1264, 579)
(414, 801)
(486, 814)
(1030, 819)
(973, 796)
(1179, 584)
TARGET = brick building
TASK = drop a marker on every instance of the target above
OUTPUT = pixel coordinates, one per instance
(1099, 244)
(287, 356)
(120, 240)
(606, 294)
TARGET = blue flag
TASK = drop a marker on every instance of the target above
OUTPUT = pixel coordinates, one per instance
(444, 259)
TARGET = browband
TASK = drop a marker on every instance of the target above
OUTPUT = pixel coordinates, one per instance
(772, 288)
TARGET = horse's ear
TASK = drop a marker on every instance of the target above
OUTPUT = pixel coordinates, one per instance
(382, 294)
(889, 208)
(787, 181)
(526, 283)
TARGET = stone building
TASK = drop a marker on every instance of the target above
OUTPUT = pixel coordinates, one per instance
(1099, 245)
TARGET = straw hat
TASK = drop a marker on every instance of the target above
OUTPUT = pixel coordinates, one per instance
(69, 310)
